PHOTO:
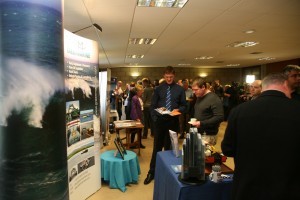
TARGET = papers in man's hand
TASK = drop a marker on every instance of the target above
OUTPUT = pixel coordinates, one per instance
(164, 111)
(174, 113)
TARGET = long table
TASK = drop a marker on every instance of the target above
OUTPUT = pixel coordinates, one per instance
(168, 187)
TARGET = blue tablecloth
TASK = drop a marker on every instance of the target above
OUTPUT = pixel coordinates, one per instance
(119, 172)
(168, 187)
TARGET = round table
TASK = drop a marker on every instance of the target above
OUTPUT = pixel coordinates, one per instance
(119, 172)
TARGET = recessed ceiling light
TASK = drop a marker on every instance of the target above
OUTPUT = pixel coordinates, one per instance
(134, 56)
(233, 65)
(266, 58)
(133, 64)
(142, 41)
(204, 58)
(162, 3)
(242, 44)
(184, 64)
(249, 31)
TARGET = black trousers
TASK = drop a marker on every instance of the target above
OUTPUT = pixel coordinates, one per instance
(162, 137)
(148, 123)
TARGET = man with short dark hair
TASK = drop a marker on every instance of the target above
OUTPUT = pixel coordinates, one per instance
(208, 110)
(263, 137)
(175, 100)
(293, 73)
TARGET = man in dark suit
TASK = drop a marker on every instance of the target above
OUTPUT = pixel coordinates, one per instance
(164, 123)
(263, 137)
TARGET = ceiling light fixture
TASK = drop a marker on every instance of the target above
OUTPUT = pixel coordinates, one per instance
(242, 44)
(133, 64)
(135, 75)
(95, 25)
(162, 3)
(233, 65)
(250, 31)
(203, 75)
(142, 41)
(204, 58)
(266, 58)
(134, 56)
(184, 64)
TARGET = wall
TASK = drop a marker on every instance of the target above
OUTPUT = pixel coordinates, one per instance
(278, 66)
(226, 76)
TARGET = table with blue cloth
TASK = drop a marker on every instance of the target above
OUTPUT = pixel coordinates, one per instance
(168, 187)
(119, 172)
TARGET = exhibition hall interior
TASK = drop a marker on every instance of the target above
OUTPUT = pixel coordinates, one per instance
(228, 41)
(131, 99)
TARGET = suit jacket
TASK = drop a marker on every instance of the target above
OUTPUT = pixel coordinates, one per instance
(136, 108)
(263, 136)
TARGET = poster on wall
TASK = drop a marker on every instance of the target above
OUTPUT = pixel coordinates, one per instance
(82, 115)
(33, 149)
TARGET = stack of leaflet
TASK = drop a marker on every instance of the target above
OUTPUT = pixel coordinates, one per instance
(193, 159)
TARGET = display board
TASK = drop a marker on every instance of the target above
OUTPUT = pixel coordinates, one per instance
(82, 115)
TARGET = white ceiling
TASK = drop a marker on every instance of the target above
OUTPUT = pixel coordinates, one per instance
(200, 28)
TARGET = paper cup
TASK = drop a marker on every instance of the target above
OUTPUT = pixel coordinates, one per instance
(193, 120)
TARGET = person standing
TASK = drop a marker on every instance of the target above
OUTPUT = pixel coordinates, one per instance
(136, 112)
(130, 92)
(126, 102)
(172, 97)
(118, 93)
(255, 89)
(263, 138)
(218, 89)
(184, 118)
(147, 96)
(208, 110)
(232, 96)
(293, 73)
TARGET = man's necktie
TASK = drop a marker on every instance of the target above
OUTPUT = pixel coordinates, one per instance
(168, 99)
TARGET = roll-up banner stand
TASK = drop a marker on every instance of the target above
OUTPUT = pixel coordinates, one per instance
(82, 115)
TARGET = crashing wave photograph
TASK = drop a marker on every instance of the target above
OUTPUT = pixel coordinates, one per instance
(32, 101)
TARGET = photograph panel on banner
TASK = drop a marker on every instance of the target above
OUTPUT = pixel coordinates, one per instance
(82, 115)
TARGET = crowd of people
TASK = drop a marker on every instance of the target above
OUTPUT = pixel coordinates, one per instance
(259, 115)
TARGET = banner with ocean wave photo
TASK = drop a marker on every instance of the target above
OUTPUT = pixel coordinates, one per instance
(82, 115)
(33, 142)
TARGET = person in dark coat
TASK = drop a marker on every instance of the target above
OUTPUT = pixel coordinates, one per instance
(263, 137)
(163, 123)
